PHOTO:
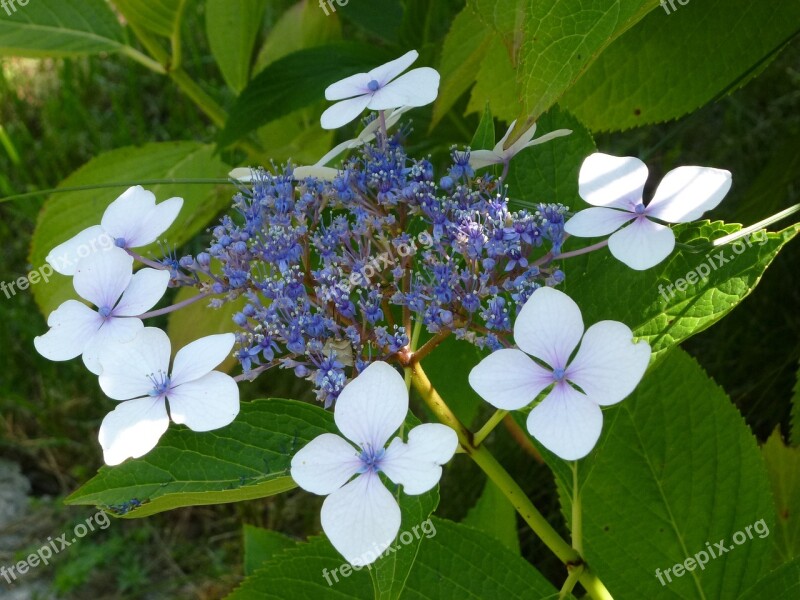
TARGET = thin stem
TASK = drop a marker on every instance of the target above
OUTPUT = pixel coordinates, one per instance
(573, 574)
(503, 175)
(493, 422)
(384, 130)
(428, 346)
(102, 186)
(143, 59)
(146, 261)
(168, 309)
(577, 522)
(511, 490)
(586, 250)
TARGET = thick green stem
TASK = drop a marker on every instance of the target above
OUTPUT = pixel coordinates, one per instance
(511, 490)
(577, 522)
(493, 422)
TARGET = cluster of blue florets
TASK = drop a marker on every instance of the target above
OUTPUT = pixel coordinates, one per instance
(334, 272)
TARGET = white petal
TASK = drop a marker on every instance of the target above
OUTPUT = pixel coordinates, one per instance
(133, 429)
(243, 174)
(686, 193)
(127, 367)
(642, 244)
(329, 156)
(64, 257)
(522, 141)
(608, 365)
(509, 379)
(372, 406)
(101, 278)
(388, 71)
(146, 288)
(361, 519)
(343, 112)
(612, 181)
(113, 332)
(549, 136)
(72, 325)
(200, 357)
(596, 221)
(205, 404)
(549, 327)
(416, 88)
(566, 422)
(498, 147)
(322, 173)
(483, 158)
(355, 85)
(416, 465)
(135, 217)
(325, 464)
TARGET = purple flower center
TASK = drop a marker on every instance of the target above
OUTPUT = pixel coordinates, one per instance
(160, 383)
(639, 209)
(373, 85)
(105, 311)
(558, 374)
(371, 459)
(119, 242)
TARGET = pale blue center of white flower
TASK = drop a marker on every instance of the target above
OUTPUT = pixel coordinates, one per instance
(160, 383)
(105, 311)
(639, 209)
(371, 459)
(558, 374)
(373, 85)
(119, 242)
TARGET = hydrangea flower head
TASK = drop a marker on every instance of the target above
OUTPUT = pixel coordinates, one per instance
(380, 89)
(360, 516)
(615, 185)
(606, 368)
(131, 221)
(106, 280)
(138, 373)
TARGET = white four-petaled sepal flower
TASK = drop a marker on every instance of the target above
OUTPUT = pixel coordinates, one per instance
(380, 89)
(360, 516)
(614, 186)
(606, 368)
(138, 373)
(498, 156)
(107, 281)
(131, 221)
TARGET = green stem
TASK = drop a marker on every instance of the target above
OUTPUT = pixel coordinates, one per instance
(116, 184)
(143, 59)
(412, 347)
(573, 575)
(577, 522)
(493, 422)
(511, 490)
(197, 95)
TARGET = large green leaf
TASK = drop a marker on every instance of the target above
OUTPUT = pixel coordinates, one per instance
(676, 470)
(605, 288)
(60, 28)
(261, 545)
(783, 466)
(492, 84)
(561, 40)
(462, 54)
(783, 582)
(232, 27)
(250, 458)
(670, 64)
(65, 214)
(795, 412)
(494, 515)
(162, 17)
(295, 81)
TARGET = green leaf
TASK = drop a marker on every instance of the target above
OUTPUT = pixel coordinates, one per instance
(671, 64)
(261, 545)
(676, 469)
(295, 81)
(495, 515)
(795, 425)
(65, 214)
(549, 172)
(783, 467)
(783, 582)
(232, 27)
(60, 28)
(297, 136)
(605, 288)
(250, 458)
(460, 563)
(484, 135)
(464, 49)
(303, 25)
(494, 84)
(380, 18)
(563, 38)
(199, 320)
(162, 17)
